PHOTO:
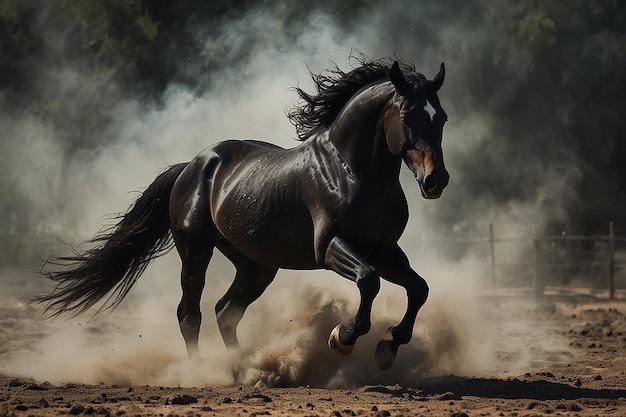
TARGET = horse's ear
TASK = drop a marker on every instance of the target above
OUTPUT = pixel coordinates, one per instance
(397, 77)
(438, 78)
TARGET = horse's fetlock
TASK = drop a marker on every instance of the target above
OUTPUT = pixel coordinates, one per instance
(401, 336)
(360, 327)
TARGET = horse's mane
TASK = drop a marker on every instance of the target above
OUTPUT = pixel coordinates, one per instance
(335, 88)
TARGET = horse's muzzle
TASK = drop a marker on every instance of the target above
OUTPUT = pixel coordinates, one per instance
(433, 184)
(429, 171)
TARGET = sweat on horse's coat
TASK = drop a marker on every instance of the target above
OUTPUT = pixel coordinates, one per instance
(333, 202)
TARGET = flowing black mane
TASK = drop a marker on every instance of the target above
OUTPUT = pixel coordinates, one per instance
(335, 88)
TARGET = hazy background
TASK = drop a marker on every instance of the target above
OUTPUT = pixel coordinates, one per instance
(97, 97)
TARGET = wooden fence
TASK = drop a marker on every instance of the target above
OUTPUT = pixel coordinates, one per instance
(606, 257)
(25, 251)
(541, 262)
(535, 264)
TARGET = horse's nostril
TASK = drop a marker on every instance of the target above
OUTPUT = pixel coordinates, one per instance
(430, 183)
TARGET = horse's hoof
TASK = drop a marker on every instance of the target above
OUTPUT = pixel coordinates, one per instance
(386, 351)
(335, 344)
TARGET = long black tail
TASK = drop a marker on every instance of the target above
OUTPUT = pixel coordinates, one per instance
(120, 255)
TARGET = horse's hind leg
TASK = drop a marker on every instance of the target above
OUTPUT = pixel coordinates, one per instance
(250, 282)
(195, 252)
(192, 283)
(194, 235)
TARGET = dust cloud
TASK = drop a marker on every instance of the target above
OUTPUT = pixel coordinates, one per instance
(283, 335)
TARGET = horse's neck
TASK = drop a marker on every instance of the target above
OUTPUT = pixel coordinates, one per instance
(358, 133)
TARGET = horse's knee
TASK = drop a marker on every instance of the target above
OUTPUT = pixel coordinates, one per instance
(418, 291)
(368, 282)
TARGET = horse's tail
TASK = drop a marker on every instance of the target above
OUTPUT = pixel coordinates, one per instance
(121, 253)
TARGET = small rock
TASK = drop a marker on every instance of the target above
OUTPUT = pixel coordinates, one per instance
(459, 414)
(598, 377)
(578, 383)
(21, 407)
(16, 383)
(76, 409)
(448, 396)
(36, 387)
(265, 398)
(102, 411)
(574, 407)
(227, 400)
(185, 399)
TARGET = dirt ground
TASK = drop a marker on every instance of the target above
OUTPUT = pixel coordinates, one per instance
(586, 378)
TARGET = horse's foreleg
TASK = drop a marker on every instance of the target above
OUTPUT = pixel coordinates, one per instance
(342, 258)
(396, 269)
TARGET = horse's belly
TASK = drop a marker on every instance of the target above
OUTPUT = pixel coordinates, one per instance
(281, 237)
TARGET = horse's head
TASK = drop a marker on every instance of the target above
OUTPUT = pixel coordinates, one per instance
(414, 123)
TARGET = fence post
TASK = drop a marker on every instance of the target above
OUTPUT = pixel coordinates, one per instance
(611, 261)
(538, 277)
(493, 257)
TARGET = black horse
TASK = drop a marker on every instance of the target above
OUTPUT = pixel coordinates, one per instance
(334, 202)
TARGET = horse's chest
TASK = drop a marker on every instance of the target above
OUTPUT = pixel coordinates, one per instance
(365, 217)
